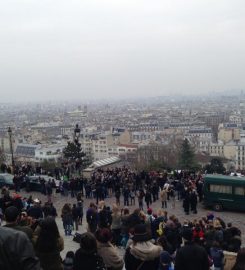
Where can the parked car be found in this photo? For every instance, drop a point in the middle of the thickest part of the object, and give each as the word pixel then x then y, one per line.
pixel 35 183
pixel 6 180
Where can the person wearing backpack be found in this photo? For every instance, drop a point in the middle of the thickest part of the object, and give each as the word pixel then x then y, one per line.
pixel 158 222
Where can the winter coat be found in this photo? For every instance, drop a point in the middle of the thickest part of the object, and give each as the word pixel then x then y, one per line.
pixel 35 212
pixel 16 251
pixel 124 224
pixel 191 257
pixel 68 263
pixel 143 256
pixel 217 256
pixel 84 261
pixel 116 222
pixel 51 260
pixel 92 219
pixel 110 256
pixel 148 197
pixel 163 195
pixel 26 229
pixel 133 220
pixel 105 219
pixel 230 259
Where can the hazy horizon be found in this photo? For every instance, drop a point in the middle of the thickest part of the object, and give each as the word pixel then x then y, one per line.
pixel 95 49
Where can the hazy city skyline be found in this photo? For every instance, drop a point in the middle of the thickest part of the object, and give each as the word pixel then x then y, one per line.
pixel 108 48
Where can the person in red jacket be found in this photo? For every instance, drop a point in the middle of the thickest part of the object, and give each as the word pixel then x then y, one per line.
pixel 198 233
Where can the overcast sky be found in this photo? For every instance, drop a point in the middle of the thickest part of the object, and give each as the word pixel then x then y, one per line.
pixel 68 49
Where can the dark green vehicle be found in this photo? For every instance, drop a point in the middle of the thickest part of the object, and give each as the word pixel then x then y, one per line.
pixel 224 192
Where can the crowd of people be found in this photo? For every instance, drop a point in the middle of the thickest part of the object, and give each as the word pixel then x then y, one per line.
pixel 135 188
pixel 149 238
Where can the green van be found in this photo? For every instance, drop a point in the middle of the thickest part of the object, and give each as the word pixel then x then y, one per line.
pixel 224 192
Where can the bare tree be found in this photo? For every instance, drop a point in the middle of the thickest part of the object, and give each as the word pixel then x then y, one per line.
pixel 156 155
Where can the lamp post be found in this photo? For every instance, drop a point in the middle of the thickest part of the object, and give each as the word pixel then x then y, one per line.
pixel 77 132
pixel 11 147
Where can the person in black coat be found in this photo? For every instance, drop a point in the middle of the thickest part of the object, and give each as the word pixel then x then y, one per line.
pixel 200 190
pixel 86 257
pixel 134 219
pixel 186 202
pixel 191 256
pixel 148 199
pixel 193 201
pixel 92 217
pixel 35 211
pixel 105 218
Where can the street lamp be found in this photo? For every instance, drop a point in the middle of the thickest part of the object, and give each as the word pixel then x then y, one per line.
pixel 77 132
pixel 11 146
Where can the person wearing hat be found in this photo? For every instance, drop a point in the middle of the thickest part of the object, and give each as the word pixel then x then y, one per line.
pixel 191 256
pixel 141 253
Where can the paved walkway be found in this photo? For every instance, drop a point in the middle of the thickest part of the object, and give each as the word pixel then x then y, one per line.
pixel 238 219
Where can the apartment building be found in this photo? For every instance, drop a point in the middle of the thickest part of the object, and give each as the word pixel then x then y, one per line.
pixel 240 157
pixel 86 139
pixel 235 118
pixel 50 153
pixel 228 151
pixel 105 145
pixel 25 152
pixel 121 149
pixel 229 132
pixel 138 136
pixel 100 147
pixel 200 138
